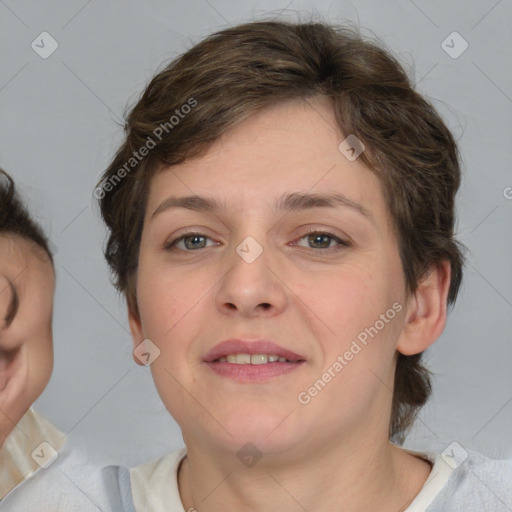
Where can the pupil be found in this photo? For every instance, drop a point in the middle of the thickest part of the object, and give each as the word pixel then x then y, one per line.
pixel 325 237
pixel 194 238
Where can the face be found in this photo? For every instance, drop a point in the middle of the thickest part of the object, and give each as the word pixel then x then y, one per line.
pixel 254 271
pixel 27 285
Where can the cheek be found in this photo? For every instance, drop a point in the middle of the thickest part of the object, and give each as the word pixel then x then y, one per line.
pixel 346 300
pixel 39 358
pixel 171 312
pixel 361 309
pixel 157 300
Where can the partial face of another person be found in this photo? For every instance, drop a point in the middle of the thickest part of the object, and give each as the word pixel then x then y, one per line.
pixel 251 270
pixel 27 284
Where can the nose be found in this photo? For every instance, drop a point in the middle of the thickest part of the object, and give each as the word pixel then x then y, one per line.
pixel 252 286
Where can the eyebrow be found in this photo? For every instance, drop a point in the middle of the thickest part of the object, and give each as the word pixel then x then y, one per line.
pixel 14 305
pixel 294 201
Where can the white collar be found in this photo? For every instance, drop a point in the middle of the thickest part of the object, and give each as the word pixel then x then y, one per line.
pixel 19 453
pixel 152 488
pixel 439 475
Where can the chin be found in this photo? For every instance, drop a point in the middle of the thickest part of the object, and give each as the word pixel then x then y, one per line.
pixel 269 433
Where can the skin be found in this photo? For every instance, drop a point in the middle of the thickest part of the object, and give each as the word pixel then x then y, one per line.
pixel 333 453
pixel 26 345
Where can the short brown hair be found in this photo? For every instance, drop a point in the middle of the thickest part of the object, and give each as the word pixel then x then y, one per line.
pixel 234 73
pixel 15 218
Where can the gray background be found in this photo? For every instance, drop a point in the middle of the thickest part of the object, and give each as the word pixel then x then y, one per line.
pixel 60 124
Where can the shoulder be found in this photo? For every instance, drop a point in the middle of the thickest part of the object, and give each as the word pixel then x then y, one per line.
pixel 477 482
pixel 154 484
pixel 72 482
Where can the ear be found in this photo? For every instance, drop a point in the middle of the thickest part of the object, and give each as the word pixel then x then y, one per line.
pixel 136 331
pixel 426 311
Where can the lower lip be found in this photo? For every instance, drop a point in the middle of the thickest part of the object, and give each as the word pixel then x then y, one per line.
pixel 253 372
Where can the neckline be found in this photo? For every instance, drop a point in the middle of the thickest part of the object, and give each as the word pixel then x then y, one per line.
pixel 439 474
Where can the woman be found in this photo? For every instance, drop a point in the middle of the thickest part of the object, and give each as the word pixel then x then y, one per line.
pixel 281 222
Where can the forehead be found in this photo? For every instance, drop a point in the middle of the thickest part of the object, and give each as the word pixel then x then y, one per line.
pixel 290 146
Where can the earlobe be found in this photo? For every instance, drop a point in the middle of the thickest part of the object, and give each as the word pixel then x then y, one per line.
pixel 426 311
pixel 136 331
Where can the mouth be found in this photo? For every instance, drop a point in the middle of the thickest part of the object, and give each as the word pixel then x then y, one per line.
pixel 252 361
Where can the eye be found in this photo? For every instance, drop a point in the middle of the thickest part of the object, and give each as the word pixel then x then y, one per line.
pixel 320 239
pixel 192 241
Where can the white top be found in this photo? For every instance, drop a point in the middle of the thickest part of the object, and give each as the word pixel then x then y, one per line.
pixel 16 461
pixel 473 485
pixel 40 472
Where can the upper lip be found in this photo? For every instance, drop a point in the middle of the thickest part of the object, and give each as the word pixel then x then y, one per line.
pixel 238 346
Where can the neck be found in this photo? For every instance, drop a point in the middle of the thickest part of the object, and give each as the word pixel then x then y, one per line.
pixel 344 476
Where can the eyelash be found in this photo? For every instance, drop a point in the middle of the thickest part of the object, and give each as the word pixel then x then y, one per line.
pixel 171 246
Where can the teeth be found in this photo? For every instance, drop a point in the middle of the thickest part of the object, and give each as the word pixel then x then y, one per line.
pixel 243 359
pixel 251 359
pixel 259 359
